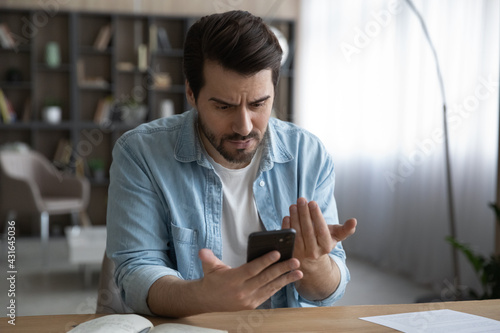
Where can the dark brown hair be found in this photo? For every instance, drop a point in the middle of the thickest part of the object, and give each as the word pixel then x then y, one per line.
pixel 237 40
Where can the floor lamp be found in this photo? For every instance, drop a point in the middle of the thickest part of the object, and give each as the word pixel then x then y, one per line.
pixel 497 233
pixel 449 182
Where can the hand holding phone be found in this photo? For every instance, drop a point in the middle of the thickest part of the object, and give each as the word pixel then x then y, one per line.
pixel 262 242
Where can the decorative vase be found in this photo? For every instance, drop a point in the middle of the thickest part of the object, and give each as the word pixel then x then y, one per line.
pixel 52 55
pixel 52 114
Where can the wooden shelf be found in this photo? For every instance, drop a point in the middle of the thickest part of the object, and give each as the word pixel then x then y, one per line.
pixel 95 86
pixel 90 50
pixel 61 68
pixel 17 49
pixel 15 85
pixel 16 126
pixel 170 53
pixel 76 34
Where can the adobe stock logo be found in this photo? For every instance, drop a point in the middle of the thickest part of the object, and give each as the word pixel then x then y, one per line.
pixel 455 117
pixel 363 37
pixel 39 19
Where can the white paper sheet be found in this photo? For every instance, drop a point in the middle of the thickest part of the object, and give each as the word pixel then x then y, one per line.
pixel 439 321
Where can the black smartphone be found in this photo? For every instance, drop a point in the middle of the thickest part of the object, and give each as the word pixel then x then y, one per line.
pixel 262 242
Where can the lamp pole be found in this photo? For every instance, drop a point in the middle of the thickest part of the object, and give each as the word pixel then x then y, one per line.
pixel 497 218
pixel 449 180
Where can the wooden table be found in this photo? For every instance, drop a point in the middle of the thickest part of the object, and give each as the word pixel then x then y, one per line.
pixel 327 319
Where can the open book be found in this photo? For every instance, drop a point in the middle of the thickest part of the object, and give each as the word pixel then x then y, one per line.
pixel 132 323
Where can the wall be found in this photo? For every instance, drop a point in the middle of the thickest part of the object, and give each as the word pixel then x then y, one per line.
pixel 285 9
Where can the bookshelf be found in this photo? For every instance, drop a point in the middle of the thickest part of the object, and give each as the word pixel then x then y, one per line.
pixel 92 68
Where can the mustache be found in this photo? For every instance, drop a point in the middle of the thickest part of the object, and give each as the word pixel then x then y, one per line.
pixel 237 137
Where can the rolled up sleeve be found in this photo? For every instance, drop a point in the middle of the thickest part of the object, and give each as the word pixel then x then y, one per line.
pixel 324 196
pixel 137 284
pixel 338 256
pixel 137 239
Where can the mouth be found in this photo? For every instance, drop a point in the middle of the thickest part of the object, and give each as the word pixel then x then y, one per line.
pixel 241 144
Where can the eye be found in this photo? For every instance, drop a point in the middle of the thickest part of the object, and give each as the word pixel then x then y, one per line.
pixel 258 104
pixel 222 107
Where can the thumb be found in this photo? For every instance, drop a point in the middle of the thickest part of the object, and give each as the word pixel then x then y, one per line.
pixel 341 232
pixel 350 226
pixel 209 261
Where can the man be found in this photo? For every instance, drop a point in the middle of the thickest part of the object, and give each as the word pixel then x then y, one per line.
pixel 186 191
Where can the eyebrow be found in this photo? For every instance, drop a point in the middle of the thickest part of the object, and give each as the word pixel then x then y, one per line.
pixel 259 100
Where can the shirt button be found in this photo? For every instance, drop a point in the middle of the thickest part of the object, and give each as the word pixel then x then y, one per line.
pixel 262 183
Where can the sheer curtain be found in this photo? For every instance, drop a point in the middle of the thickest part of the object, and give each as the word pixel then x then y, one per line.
pixel 367 86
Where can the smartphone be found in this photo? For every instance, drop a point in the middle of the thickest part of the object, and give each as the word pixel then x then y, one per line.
pixel 262 242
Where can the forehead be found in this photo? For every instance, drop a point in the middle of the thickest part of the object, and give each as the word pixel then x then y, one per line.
pixel 221 80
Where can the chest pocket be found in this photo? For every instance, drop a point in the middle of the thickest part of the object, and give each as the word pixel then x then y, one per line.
pixel 186 251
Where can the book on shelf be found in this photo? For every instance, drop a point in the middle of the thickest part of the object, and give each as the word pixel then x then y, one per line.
pixel 7 113
pixel 142 58
pixel 80 71
pixel 62 156
pixel 153 39
pixel 6 39
pixel 132 323
pixel 26 117
pixel 80 167
pixel 66 161
pixel 10 108
pixel 96 82
pixel 102 115
pixel 103 37
pixel 89 82
pixel 161 80
pixel 163 41
pixel 125 66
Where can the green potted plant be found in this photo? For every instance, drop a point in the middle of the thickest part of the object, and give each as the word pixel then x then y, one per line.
pixel 486 268
pixel 133 112
pixel 96 166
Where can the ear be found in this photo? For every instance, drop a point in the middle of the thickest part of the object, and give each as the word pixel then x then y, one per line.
pixel 190 95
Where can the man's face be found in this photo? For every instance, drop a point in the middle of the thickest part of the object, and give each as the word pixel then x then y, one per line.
pixel 233 113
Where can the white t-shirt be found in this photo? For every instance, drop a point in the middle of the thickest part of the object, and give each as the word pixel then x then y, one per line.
pixel 239 212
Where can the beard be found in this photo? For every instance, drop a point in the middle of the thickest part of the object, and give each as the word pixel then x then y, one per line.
pixel 238 156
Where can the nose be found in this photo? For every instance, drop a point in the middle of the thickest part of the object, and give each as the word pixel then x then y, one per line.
pixel 242 122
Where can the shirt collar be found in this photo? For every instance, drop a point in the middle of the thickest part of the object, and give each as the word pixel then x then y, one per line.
pixel 188 146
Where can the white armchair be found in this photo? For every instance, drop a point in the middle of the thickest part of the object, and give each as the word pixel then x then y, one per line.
pixel 29 183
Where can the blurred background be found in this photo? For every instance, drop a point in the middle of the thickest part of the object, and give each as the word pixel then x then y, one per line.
pixel 361 75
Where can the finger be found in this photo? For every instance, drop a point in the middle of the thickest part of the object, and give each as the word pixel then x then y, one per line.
pixel 295 224
pixel 323 237
pixel 274 286
pixel 256 266
pixel 274 272
pixel 351 224
pixel 341 232
pixel 306 225
pixel 286 224
pixel 209 261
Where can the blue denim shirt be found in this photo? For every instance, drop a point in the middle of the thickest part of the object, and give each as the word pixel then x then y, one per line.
pixel 165 202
